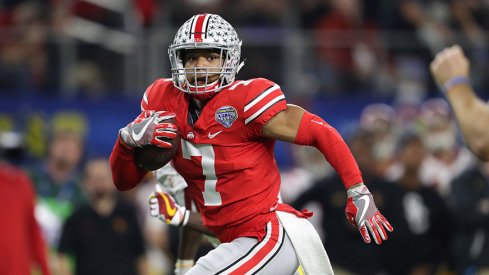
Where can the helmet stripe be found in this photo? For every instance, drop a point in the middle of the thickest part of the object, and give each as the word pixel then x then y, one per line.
pixel 192 27
pixel 206 24
pixel 199 27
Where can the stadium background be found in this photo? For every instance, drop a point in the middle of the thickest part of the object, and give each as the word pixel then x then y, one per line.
pixel 335 57
pixel 83 65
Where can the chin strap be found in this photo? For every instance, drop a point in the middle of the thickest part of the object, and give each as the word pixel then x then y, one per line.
pixel 240 66
pixel 198 89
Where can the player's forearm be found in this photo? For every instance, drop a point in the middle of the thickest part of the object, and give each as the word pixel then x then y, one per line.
pixel 190 241
pixel 125 173
pixel 316 132
pixel 473 117
pixel 195 223
pixel 301 127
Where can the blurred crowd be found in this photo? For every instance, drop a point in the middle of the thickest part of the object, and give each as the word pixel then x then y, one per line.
pixel 431 188
pixel 320 47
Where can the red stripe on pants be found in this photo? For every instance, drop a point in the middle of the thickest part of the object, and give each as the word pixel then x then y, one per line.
pixel 262 253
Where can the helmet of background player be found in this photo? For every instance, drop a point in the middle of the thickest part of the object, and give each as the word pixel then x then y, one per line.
pixel 377 118
pixel 440 130
pixel 435 114
pixel 207 32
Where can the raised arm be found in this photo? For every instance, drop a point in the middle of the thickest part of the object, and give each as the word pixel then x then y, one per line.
pixel 450 69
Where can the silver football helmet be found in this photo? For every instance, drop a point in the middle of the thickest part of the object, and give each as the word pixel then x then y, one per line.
pixel 205 31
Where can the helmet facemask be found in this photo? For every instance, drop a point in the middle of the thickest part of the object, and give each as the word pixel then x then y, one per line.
pixel 187 79
pixel 220 38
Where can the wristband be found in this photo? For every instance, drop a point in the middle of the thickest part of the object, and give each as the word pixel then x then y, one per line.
pixel 359 190
pixel 454 81
pixel 186 216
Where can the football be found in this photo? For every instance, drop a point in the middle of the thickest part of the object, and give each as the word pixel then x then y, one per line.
pixel 152 157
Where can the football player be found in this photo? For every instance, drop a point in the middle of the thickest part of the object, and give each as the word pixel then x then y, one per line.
pixel 226 156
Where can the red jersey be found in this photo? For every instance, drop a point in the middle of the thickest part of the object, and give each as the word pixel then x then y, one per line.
pixel 228 165
pixel 21 239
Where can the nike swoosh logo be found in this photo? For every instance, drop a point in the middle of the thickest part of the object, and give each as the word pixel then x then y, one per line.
pixel 318 122
pixel 171 211
pixel 138 136
pixel 364 210
pixel 211 136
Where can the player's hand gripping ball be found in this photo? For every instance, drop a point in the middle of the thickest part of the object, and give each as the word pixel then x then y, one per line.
pixel 154 155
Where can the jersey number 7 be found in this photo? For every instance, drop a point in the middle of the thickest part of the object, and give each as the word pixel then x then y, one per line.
pixel 211 196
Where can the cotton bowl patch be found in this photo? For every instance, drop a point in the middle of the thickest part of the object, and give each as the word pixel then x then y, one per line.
pixel 226 115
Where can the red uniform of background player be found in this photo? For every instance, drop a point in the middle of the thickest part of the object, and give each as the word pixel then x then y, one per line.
pixel 228 130
pixel 23 249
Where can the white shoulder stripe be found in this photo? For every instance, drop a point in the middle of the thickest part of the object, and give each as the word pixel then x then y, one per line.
pixel 145 98
pixel 260 97
pixel 259 112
